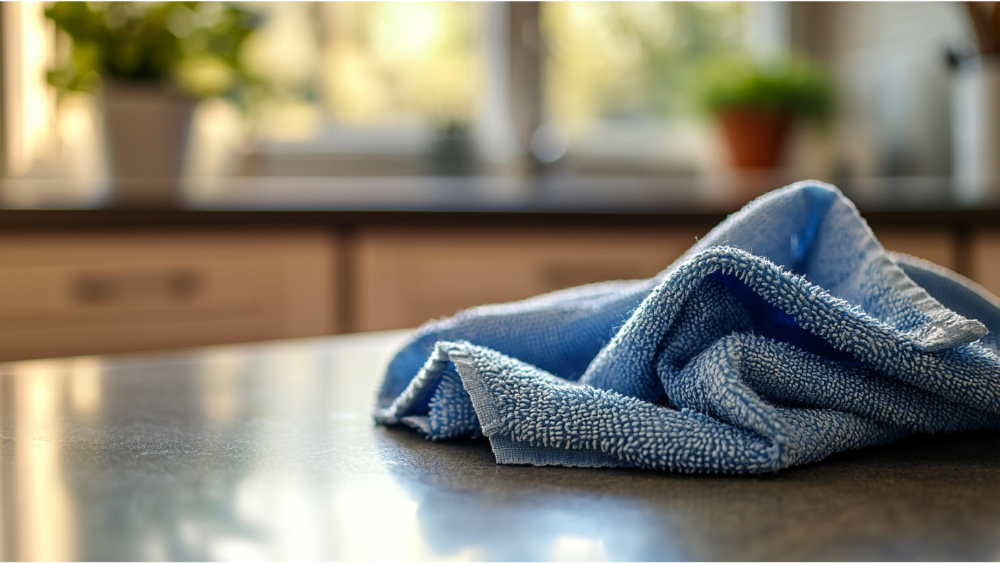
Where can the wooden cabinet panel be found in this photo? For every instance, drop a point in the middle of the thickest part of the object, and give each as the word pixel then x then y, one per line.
pixel 404 278
pixel 935 245
pixel 985 253
pixel 116 292
pixel 91 293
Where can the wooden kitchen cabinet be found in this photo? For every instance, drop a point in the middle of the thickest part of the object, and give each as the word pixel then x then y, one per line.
pixel 985 251
pixel 934 244
pixel 93 282
pixel 95 293
pixel 405 277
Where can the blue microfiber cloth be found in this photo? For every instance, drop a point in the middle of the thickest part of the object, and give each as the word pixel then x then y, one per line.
pixel 786 334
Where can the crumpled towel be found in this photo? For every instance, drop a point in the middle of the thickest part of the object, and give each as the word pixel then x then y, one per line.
pixel 786 334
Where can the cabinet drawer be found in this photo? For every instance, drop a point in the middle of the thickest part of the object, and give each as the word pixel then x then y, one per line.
pixel 112 292
pixel 405 278
pixel 104 293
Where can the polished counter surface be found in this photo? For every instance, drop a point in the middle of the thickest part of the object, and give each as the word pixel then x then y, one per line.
pixel 267 451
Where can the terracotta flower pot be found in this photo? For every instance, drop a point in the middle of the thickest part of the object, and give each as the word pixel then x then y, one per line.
pixel 147 128
pixel 756 136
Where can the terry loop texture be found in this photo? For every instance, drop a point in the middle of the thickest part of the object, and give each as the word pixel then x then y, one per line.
pixel 786 334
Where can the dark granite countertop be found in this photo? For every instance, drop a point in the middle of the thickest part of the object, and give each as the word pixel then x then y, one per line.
pixel 267 451
pixel 349 202
pixel 34 201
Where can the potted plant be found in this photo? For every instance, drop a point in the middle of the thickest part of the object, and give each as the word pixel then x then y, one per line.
pixel 150 62
pixel 756 102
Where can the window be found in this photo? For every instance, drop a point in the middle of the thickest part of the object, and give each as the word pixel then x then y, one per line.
pixel 25 42
pixel 625 60
pixel 620 79
pixel 423 89
pixel 364 88
pixel 369 63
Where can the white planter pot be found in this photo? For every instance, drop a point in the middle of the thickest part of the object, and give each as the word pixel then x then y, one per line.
pixel 975 117
pixel 147 128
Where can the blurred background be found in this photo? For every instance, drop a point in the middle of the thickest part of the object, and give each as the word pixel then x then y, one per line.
pixel 497 90
pixel 200 173
pixel 296 169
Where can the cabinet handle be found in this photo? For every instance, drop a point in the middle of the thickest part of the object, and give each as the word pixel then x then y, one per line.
pixel 106 288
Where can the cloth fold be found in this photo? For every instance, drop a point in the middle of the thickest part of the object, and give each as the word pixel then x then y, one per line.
pixel 786 334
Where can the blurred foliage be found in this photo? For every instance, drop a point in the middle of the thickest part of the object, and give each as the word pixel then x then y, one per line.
pixel 392 61
pixel 364 64
pixel 193 45
pixel 631 59
pixel 790 83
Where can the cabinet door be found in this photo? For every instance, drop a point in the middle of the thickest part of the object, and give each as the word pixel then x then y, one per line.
pixel 985 258
pixel 934 244
pixel 404 278
pixel 98 293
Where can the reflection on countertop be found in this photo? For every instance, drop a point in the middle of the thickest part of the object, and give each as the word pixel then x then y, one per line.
pixel 267 451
